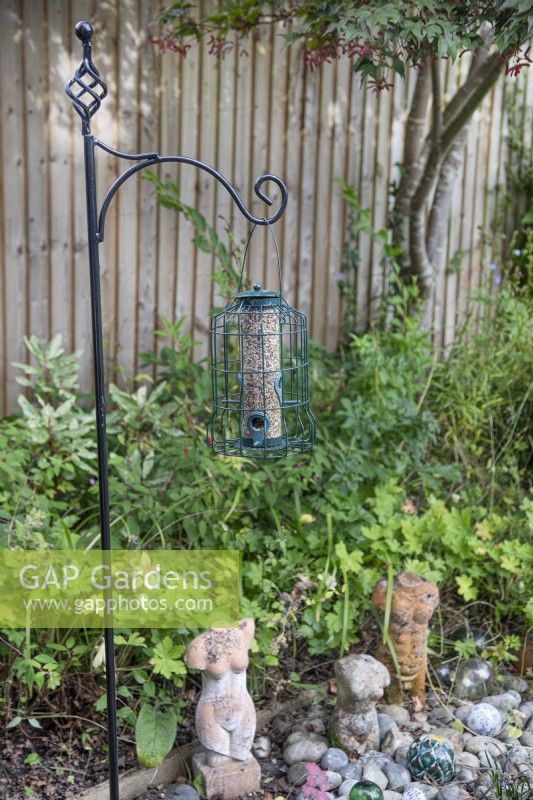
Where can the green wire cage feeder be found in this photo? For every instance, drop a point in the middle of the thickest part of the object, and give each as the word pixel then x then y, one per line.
pixel 260 382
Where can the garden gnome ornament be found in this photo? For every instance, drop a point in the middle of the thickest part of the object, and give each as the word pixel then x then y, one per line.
pixel 360 684
pixel 414 599
pixel 225 715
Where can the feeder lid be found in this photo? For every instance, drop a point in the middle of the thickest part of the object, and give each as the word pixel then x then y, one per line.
pixel 259 296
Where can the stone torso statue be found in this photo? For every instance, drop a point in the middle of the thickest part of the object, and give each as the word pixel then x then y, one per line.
pixel 225 715
pixel 414 599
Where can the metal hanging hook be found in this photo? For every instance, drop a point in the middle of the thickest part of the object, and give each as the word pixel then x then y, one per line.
pixel 278 257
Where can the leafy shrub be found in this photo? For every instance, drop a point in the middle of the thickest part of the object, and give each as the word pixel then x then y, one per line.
pixel 418 466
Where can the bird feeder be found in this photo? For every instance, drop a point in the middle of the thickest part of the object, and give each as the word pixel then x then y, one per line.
pixel 259 367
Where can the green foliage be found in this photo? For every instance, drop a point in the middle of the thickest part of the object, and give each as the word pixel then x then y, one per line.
pixel 379 36
pixel 206 238
pixel 509 787
pixel 155 731
pixel 482 397
pixel 387 488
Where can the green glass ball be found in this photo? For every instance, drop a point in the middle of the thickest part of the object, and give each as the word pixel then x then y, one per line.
pixel 431 758
pixel 365 790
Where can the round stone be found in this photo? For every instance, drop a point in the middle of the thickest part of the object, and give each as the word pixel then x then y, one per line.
pixel 334 758
pixel 484 719
pixel 302 746
pixel 365 790
pixel 473 679
pixel 431 758
pixel 181 792
pixel 504 702
pixel 334 779
pixel 413 793
pixel 297 774
pixel 261 747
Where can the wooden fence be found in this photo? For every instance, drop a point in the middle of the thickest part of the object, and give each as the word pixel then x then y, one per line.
pixel 246 115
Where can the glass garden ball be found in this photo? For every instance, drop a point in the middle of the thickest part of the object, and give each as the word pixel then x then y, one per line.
pixel 431 758
pixel 365 790
pixel 484 719
pixel 473 679
pixel 444 672
pixel 478 636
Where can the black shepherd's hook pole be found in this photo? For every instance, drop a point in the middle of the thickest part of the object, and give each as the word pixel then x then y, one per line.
pixel 86 89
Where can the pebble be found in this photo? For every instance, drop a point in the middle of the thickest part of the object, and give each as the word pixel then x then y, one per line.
pixel 334 758
pixel 484 719
pixel 400 756
pixel 429 792
pixel 272 768
pixel 374 756
pixel 385 723
pixel 453 791
pixel 527 710
pixel 301 746
pixel 398 777
pixel 484 744
pixel 453 737
pixel 462 713
pixel 297 774
pixel 506 735
pixel 392 740
pixel 372 772
pixel 261 747
pixel 469 760
pixel 527 739
pixel 504 702
pixel 518 755
pixel 465 775
pixel 388 794
pixel 352 772
pixel 516 683
pixel 334 779
pixel 181 792
pixel 398 713
pixel 443 714
pixel 344 788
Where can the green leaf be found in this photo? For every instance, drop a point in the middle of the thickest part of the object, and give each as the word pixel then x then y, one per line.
pixel 166 658
pixel 155 731
pixel 466 588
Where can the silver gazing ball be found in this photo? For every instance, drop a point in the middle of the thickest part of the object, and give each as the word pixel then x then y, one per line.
pixel 484 719
pixel 473 680
pixel 413 793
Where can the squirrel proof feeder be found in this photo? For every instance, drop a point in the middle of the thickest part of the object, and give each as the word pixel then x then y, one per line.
pixel 259 368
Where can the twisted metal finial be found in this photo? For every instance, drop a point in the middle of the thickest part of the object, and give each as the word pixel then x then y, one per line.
pixel 86 89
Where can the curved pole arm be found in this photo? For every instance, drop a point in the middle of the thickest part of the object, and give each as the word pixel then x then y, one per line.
pixel 149 159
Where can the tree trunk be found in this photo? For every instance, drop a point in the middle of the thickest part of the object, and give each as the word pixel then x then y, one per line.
pixel 441 159
pixel 413 162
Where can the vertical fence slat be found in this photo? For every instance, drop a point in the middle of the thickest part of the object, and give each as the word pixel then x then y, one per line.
pixel 13 175
pixel 147 220
pixel 321 220
pixel 60 168
pixel 291 231
pixel 36 159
